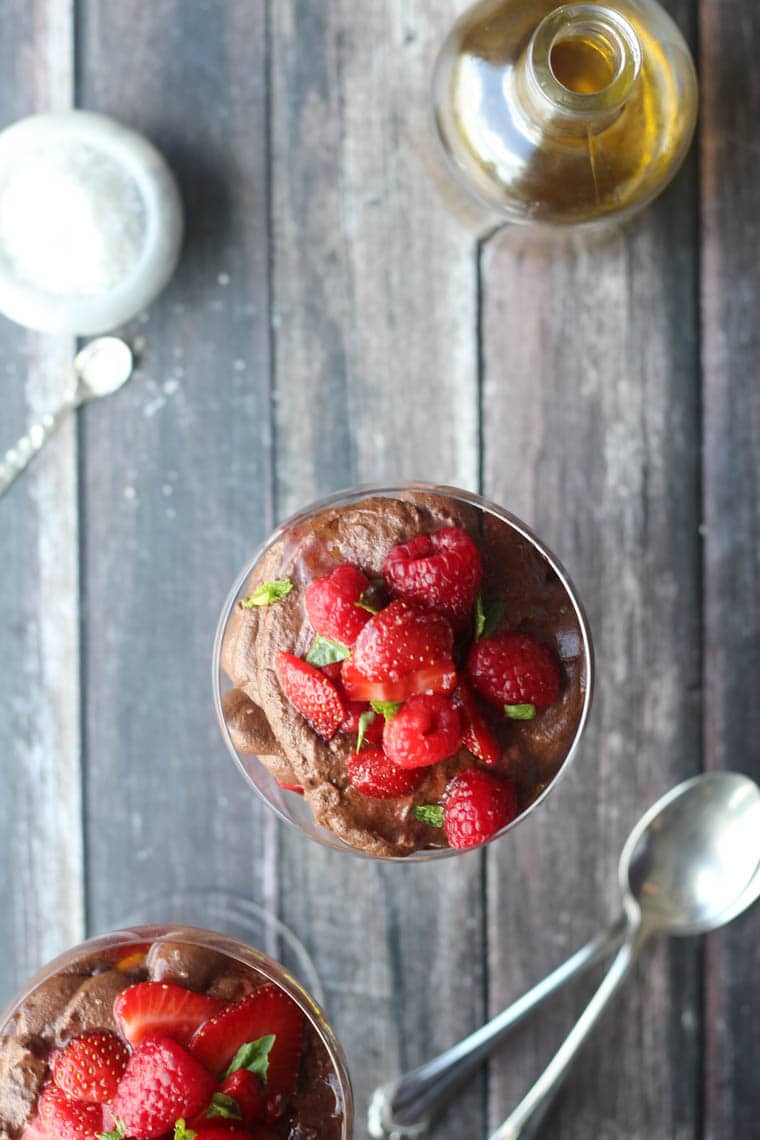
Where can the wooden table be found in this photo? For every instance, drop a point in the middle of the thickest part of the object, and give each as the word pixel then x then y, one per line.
pixel 333 321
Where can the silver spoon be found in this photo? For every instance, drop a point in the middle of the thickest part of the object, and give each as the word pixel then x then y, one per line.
pixel 100 368
pixel 691 864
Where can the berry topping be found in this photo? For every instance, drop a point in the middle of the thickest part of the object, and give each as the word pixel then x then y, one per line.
pixel 162 1083
pixel 90 1067
pixel 267 1011
pixel 227 1130
pixel 400 640
pixel 477 804
pixel 373 774
pixel 372 725
pixel 426 729
pixel 440 571
pixel 476 735
pixel 312 693
pixel 440 678
pixel 331 604
pixel 164 1008
pixel 247 1091
pixel 297 788
pixel 515 669
pixel 65 1119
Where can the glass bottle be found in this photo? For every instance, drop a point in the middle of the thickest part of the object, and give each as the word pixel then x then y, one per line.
pixel 565 115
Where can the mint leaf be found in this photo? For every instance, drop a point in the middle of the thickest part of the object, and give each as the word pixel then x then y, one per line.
pixel 366 606
pixel 388 709
pixel 325 652
pixel 431 814
pixel 223 1105
pixel 253 1056
pixel 365 720
pixel 267 593
pixel 181 1131
pixel 487 616
pixel 119 1131
pixel 520 712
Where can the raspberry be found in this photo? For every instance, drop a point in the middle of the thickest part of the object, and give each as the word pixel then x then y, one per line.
pixel 372 773
pixel 476 806
pixel 426 729
pixel 162 1083
pixel 331 604
pixel 312 693
pixel 440 571
pixel 515 669
pixel 399 640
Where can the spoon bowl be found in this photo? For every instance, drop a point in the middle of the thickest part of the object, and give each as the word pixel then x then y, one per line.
pixel 102 367
pixel 694 857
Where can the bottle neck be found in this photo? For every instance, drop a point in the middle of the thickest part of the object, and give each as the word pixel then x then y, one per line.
pixel 579 68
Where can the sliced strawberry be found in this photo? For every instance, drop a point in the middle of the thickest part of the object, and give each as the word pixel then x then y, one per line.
pixel 66 1119
pixel 331 671
pixel 399 640
pixel 162 1083
pixel 476 736
pixel 268 1010
pixel 34 1130
pixel 315 697
pixel 164 1008
pixel 247 1091
pixel 440 678
pixel 291 787
pixel 90 1067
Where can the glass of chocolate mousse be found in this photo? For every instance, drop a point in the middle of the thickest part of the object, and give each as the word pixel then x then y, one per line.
pixel 403 672
pixel 159 1031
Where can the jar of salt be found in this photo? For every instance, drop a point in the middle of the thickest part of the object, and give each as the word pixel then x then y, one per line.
pixel 90 223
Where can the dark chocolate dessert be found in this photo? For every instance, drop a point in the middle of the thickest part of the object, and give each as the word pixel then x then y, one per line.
pixel 164 1039
pixel 412 665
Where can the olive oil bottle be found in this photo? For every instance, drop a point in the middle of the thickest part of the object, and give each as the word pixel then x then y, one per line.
pixel 567 114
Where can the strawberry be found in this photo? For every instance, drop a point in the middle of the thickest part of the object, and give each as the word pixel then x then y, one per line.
pixel 399 640
pixel 514 669
pixel 297 788
pixel 247 1090
pixel 372 773
pixel 164 1008
pixel 162 1083
pixel 426 729
pixel 34 1130
pixel 440 678
pixel 440 571
pixel 90 1067
pixel 476 735
pixel 66 1119
pixel 268 1010
pixel 476 805
pixel 332 671
pixel 315 697
pixel 331 604
pixel 355 709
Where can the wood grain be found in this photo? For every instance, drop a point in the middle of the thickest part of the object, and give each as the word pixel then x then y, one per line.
pixel 176 468
pixel 374 291
pixel 730 153
pixel 40 806
pixel 591 433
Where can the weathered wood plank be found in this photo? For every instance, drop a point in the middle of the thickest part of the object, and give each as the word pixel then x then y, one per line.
pixel 374 291
pixel 591 431
pixel 176 468
pixel 730 151
pixel 40 805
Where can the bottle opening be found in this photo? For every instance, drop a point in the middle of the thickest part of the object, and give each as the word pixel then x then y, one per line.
pixel 585 58
pixel 583 63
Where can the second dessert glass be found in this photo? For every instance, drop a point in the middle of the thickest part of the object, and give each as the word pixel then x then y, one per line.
pixel 572 641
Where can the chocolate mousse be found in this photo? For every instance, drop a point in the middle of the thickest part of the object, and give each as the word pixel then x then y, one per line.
pixel 195 1000
pixel 515 589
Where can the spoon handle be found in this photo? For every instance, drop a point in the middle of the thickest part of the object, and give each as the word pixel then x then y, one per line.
pixel 17 458
pixel 406 1106
pixel 526 1119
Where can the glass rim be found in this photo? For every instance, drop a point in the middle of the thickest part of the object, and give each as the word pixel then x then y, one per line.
pixel 346 496
pixel 233 948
